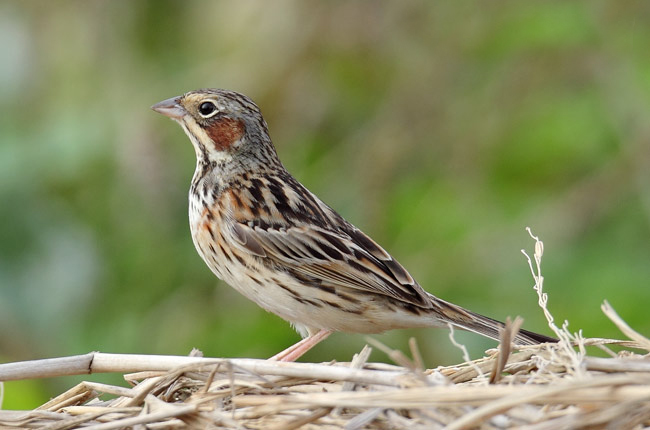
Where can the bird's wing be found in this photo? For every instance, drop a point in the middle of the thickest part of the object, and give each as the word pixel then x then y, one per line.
pixel 344 258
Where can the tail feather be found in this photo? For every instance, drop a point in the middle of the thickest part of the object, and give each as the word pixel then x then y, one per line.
pixel 480 324
pixel 492 328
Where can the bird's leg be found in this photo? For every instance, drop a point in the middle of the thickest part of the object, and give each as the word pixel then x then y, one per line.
pixel 296 351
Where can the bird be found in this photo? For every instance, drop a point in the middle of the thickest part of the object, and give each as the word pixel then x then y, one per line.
pixel 271 239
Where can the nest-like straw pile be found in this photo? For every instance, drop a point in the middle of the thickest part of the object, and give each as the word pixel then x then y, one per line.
pixel 546 386
pixel 540 387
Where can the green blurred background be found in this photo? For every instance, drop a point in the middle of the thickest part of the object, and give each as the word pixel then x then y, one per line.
pixel 441 129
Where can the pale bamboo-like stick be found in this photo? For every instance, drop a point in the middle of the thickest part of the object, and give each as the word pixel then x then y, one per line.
pixel 98 362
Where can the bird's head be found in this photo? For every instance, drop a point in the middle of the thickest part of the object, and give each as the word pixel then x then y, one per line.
pixel 223 126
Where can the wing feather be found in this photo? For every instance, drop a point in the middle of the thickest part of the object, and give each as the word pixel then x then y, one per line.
pixel 345 259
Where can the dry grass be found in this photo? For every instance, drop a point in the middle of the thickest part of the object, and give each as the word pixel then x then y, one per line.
pixel 535 387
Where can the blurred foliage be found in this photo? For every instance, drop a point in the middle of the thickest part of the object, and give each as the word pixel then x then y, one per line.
pixel 442 129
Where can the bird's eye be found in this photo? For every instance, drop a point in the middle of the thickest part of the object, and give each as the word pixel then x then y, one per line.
pixel 206 109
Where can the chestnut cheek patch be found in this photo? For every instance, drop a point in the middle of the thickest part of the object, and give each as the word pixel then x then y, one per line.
pixel 224 132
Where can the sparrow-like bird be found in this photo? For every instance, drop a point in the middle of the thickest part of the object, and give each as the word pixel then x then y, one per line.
pixel 271 239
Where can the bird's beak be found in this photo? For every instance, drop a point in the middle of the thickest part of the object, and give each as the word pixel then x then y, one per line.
pixel 171 108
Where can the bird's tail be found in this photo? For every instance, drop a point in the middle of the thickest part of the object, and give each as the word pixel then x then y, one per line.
pixel 477 323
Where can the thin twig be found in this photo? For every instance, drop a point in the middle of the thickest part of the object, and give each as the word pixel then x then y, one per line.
pixel 624 327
